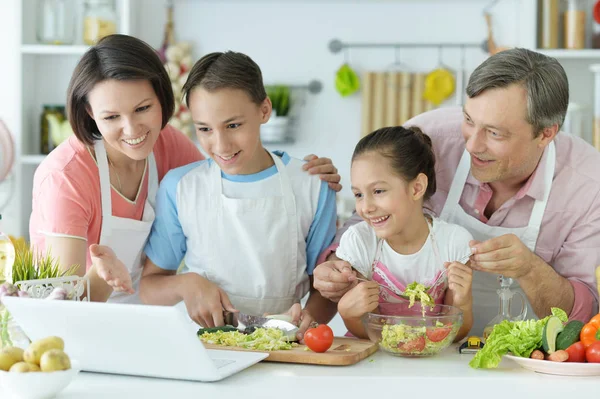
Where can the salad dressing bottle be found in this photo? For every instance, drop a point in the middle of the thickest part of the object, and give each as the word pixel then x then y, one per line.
pixel 506 295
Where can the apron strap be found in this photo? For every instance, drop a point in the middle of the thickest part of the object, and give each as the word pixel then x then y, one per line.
pixel 537 213
pixel 152 179
pixel 458 185
pixel 105 191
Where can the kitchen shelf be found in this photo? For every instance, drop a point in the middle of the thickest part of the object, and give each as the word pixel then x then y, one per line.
pixel 32 159
pixel 53 49
pixel 572 54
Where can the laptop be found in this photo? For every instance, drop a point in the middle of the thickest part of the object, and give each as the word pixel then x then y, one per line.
pixel 141 340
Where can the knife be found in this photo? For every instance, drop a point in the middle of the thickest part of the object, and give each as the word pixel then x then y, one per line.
pixel 248 323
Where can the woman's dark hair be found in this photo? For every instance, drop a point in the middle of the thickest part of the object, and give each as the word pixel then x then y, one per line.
pixel 228 70
pixel 409 151
pixel 118 57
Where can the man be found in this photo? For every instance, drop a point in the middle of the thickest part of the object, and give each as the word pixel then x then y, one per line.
pixel 529 195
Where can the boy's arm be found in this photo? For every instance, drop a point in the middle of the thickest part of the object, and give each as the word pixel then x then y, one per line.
pixel 320 308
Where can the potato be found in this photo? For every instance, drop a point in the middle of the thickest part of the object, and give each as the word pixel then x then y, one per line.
pixel 36 349
pixel 33 367
pixel 9 356
pixel 55 360
pixel 23 367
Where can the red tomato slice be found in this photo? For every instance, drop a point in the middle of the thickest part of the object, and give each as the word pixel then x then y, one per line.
pixel 437 334
pixel 576 352
pixel 415 345
pixel 319 339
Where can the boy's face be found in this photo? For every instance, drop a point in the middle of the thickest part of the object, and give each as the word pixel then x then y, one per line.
pixel 228 123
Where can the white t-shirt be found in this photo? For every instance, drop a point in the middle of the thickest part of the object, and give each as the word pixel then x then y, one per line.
pixel 358 246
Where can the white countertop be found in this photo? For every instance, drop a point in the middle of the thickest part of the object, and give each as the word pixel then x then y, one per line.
pixel 447 375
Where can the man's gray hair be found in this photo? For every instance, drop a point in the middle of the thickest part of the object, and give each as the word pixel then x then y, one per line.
pixel 543 77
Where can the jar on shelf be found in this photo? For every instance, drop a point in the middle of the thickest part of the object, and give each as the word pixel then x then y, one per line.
pixel 574 22
pixel 549 23
pixel 53 117
pixel 99 20
pixel 55 22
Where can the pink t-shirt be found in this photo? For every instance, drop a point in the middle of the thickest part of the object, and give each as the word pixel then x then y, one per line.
pixel 66 189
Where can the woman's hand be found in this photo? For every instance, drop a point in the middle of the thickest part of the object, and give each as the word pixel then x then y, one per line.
pixel 205 301
pixel 323 167
pixel 111 269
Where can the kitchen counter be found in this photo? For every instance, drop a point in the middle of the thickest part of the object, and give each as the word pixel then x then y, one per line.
pixel 447 375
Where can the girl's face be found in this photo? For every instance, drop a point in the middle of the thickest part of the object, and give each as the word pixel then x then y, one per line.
pixel 384 199
pixel 128 115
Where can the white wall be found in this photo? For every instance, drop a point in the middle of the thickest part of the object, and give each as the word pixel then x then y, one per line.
pixel 289 40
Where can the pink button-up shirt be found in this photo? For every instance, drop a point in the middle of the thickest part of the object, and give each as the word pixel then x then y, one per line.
pixel 569 238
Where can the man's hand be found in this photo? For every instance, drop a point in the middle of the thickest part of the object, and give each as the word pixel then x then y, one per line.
pixel 362 299
pixel 505 255
pixel 205 301
pixel 323 167
pixel 334 278
pixel 111 269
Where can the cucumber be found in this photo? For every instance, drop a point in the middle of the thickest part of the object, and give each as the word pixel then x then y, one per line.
pixel 569 335
pixel 552 328
pixel 215 329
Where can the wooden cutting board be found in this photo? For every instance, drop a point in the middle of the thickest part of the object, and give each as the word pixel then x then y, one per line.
pixel 343 352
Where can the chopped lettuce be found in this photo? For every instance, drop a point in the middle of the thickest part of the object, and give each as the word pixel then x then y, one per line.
pixel 262 339
pixel 413 340
pixel 517 337
pixel 561 314
pixel 416 291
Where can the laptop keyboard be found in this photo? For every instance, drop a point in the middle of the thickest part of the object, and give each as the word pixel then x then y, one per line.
pixel 222 362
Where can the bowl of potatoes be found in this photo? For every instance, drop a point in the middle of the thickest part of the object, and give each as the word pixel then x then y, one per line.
pixel 40 371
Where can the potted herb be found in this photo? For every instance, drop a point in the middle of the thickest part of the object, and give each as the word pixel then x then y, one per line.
pixel 276 129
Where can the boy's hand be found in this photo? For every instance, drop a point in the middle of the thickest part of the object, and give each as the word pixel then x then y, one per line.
pixel 362 299
pixel 300 317
pixel 111 269
pixel 205 301
pixel 460 278
pixel 323 167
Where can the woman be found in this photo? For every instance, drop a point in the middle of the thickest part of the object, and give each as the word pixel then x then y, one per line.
pixel 99 186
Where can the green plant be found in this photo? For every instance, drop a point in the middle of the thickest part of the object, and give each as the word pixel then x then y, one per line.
pixel 280 98
pixel 32 265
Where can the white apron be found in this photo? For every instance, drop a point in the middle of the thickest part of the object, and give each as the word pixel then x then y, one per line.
pixel 485 298
pixel 252 250
pixel 127 237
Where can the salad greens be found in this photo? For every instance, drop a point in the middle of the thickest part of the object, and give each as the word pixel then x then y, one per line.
pixel 416 291
pixel 263 339
pixel 518 337
pixel 416 340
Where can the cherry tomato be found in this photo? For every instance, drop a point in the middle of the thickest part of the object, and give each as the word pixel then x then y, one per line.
pixel 415 345
pixel 437 334
pixel 319 339
pixel 592 353
pixel 576 352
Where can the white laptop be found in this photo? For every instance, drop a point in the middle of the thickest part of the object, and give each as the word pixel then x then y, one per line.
pixel 149 341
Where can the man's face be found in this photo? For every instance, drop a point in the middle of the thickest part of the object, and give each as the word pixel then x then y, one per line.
pixel 498 137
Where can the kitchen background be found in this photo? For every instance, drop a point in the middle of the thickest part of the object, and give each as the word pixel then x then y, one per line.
pixel 291 40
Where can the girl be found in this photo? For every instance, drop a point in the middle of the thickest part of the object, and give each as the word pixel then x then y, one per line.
pixel 99 186
pixel 393 173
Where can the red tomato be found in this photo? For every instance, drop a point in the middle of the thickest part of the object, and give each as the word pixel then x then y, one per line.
pixel 319 339
pixel 592 352
pixel 416 345
pixel 576 352
pixel 437 334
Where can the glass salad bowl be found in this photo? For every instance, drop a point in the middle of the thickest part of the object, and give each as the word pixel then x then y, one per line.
pixel 415 331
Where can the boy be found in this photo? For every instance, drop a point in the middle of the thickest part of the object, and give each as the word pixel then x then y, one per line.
pixel 249 223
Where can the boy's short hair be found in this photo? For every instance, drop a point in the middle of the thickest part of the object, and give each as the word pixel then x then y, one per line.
pixel 226 70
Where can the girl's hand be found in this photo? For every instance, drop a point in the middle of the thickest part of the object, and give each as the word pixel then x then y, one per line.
pixel 323 167
pixel 300 317
pixel 205 301
pixel 460 278
pixel 361 299
pixel 111 269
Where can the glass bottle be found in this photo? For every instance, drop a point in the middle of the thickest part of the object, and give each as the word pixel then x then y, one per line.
pixel 55 22
pixel 574 21
pixel 99 20
pixel 7 256
pixel 506 295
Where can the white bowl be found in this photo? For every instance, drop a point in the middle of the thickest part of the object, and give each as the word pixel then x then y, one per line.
pixel 36 385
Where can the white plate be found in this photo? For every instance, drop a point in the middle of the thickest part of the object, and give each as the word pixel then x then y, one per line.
pixel 557 368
